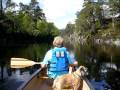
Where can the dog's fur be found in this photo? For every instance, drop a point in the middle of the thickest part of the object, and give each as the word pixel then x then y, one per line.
pixel 73 80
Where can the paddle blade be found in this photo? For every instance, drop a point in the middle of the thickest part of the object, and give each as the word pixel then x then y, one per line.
pixel 21 63
pixel 14 66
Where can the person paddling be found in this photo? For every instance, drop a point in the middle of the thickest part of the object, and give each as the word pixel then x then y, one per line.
pixel 57 60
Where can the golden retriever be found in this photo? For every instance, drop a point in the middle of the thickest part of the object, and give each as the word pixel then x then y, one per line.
pixel 71 80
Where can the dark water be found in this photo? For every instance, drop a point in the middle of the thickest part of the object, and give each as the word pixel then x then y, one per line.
pixel 102 61
pixel 11 79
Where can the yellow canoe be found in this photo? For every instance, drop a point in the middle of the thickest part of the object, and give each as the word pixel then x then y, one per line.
pixel 40 81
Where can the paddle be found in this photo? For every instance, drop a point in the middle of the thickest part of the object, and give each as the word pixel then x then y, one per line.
pixel 22 63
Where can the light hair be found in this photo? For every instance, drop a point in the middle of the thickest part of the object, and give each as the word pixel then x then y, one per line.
pixel 58 41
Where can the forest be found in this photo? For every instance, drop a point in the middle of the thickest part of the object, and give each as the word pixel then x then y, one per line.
pixel 27 23
pixel 99 19
pixel 24 23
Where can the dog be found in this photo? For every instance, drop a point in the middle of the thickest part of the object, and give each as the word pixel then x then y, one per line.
pixel 72 80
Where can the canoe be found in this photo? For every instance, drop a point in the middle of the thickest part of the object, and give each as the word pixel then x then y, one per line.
pixel 40 81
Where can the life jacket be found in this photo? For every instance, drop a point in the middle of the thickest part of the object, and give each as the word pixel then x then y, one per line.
pixel 59 61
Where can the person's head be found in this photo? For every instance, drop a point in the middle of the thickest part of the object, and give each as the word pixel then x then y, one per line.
pixel 58 41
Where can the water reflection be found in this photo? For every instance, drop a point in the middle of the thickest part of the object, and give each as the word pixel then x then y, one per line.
pixel 102 62
pixel 14 77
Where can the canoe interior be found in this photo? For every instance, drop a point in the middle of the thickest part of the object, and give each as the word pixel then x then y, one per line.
pixel 40 81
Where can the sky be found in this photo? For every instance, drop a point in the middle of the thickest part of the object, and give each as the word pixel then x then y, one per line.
pixel 60 12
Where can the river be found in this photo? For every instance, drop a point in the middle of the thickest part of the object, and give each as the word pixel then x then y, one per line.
pixel 101 60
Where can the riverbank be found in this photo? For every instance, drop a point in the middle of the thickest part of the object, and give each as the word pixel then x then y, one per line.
pixel 76 39
pixel 21 38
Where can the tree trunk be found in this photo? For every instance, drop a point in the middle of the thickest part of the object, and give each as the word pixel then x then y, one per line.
pixel 1 7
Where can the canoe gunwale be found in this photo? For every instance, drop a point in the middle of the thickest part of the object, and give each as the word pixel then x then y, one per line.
pixel 88 83
pixel 29 80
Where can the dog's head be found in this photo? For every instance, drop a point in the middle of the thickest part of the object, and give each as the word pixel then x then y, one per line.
pixel 82 70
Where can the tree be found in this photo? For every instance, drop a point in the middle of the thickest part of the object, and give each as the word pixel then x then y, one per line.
pixel 42 27
pixel 69 28
pixel 27 23
pixel 36 11
pixel 115 13
pixel 1 7
pixel 29 20
pixel 52 30
pixel 115 5
pixel 87 18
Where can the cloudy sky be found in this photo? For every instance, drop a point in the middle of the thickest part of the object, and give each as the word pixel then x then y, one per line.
pixel 60 12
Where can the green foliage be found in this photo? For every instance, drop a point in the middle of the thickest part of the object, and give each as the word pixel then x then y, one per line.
pixel 115 5
pixel 28 19
pixel 91 20
pixel 54 30
pixel 42 27
pixel 69 28
pixel 87 18
pixel 27 23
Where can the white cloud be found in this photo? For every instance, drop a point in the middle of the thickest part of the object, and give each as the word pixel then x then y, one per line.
pixel 59 11
pixel 23 1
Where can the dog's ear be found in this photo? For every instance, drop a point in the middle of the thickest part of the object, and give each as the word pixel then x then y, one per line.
pixel 82 68
pixel 83 71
